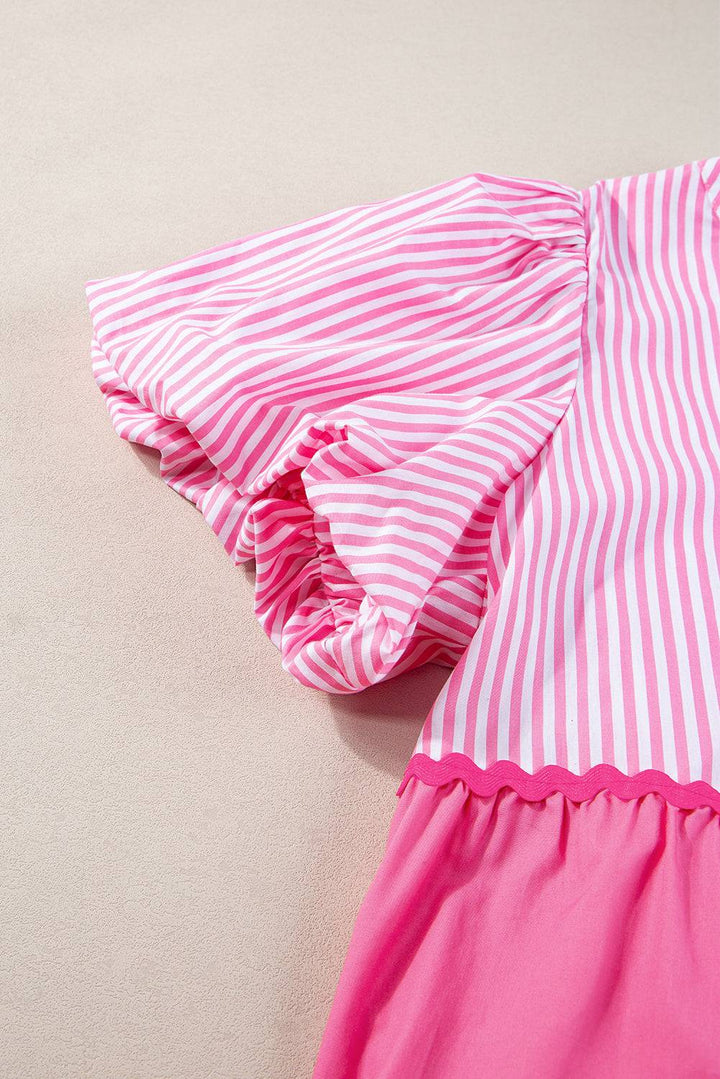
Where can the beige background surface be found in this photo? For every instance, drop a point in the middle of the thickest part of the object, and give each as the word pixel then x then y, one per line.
pixel 186 834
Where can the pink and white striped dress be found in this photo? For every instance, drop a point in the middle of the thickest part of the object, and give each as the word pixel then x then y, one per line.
pixel 479 425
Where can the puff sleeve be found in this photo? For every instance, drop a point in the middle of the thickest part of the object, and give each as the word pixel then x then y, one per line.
pixel 347 400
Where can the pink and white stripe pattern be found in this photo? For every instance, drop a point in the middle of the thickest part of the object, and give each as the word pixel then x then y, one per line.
pixel 478 424
pixel 601 634
pixel 347 401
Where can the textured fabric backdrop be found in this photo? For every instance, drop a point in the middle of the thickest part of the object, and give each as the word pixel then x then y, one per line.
pixel 167 911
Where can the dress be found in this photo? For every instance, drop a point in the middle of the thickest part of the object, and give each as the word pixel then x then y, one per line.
pixel 479 425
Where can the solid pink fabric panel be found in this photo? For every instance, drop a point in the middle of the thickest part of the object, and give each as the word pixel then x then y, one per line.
pixel 515 939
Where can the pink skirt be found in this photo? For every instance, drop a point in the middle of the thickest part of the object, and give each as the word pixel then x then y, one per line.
pixel 513 938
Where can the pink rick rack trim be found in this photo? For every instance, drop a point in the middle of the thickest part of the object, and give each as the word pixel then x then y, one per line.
pixel 553 779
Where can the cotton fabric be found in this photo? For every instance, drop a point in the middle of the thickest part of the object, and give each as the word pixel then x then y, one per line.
pixel 519 938
pixel 348 400
pixel 479 425
pixel 602 608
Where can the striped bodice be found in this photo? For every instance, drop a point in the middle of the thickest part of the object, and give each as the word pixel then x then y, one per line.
pixel 600 642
